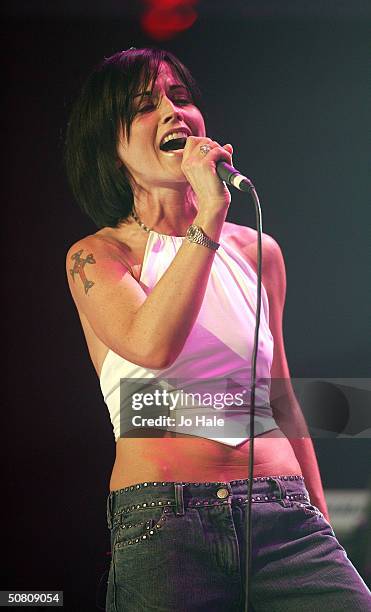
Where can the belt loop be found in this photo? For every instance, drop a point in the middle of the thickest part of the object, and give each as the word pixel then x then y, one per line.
pixel 109 512
pixel 282 498
pixel 179 500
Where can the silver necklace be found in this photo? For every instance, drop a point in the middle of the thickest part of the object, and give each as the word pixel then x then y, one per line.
pixel 140 223
pixel 144 227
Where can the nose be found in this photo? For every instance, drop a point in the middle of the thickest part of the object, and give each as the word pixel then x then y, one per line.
pixel 170 110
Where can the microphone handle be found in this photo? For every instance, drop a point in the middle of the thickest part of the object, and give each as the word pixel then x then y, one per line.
pixel 233 177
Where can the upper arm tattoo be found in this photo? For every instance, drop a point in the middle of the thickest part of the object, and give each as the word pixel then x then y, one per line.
pixel 78 268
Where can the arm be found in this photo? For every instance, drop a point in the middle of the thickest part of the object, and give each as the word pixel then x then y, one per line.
pixel 285 407
pixel 147 330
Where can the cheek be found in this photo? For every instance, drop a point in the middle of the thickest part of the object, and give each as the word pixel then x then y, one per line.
pixel 198 121
pixel 137 157
pixel 141 144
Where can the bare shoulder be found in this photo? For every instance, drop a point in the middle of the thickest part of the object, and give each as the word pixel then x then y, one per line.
pixel 88 250
pixel 244 239
pixel 75 251
pixel 101 242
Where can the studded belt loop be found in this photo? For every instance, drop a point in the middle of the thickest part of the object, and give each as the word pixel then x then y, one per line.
pixel 282 497
pixel 179 500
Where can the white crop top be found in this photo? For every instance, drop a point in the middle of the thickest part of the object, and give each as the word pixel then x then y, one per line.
pixel 218 348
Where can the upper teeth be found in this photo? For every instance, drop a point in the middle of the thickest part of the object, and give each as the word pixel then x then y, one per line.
pixel 174 135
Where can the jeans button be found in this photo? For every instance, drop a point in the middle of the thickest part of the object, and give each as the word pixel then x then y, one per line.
pixel 222 493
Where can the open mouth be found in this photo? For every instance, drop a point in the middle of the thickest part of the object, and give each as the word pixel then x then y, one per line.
pixel 174 144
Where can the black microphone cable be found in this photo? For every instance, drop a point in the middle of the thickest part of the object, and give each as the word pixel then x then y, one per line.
pixel 236 179
pixel 255 198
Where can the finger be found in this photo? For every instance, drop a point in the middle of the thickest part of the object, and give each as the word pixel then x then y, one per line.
pixel 228 148
pixel 218 153
pixel 193 142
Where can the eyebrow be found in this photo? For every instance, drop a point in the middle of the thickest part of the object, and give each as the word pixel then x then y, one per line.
pixel 171 88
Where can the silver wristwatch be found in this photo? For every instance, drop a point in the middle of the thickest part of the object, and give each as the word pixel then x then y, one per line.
pixel 196 234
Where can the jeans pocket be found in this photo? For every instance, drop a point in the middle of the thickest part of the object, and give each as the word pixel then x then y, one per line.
pixel 307 508
pixel 137 526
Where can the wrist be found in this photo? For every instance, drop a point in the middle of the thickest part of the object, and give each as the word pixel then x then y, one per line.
pixel 212 208
pixel 211 224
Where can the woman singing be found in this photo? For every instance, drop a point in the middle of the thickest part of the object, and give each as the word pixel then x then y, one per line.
pixel 166 290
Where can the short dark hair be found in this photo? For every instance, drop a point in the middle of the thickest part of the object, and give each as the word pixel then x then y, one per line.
pixel 105 103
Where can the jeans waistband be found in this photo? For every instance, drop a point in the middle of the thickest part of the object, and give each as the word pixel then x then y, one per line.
pixel 181 495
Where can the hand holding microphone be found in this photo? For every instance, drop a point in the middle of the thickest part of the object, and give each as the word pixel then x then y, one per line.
pixel 200 157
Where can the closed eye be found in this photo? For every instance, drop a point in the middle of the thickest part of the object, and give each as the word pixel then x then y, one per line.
pixel 148 107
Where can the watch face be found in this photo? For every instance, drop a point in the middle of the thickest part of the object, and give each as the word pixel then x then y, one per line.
pixel 192 231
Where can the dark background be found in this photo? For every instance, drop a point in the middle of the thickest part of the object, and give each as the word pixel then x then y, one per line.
pixel 287 86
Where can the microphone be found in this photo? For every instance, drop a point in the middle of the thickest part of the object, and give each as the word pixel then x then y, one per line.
pixel 225 172
pixel 233 177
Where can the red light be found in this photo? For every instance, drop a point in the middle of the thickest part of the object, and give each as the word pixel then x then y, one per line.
pixel 164 19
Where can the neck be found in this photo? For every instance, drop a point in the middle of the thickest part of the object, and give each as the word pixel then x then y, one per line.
pixel 170 212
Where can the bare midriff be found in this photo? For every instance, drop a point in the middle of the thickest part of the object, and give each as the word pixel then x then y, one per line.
pixel 192 459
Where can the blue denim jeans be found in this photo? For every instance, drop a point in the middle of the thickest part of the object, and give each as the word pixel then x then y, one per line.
pixel 181 547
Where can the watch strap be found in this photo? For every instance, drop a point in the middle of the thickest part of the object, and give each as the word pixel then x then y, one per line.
pixel 196 234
